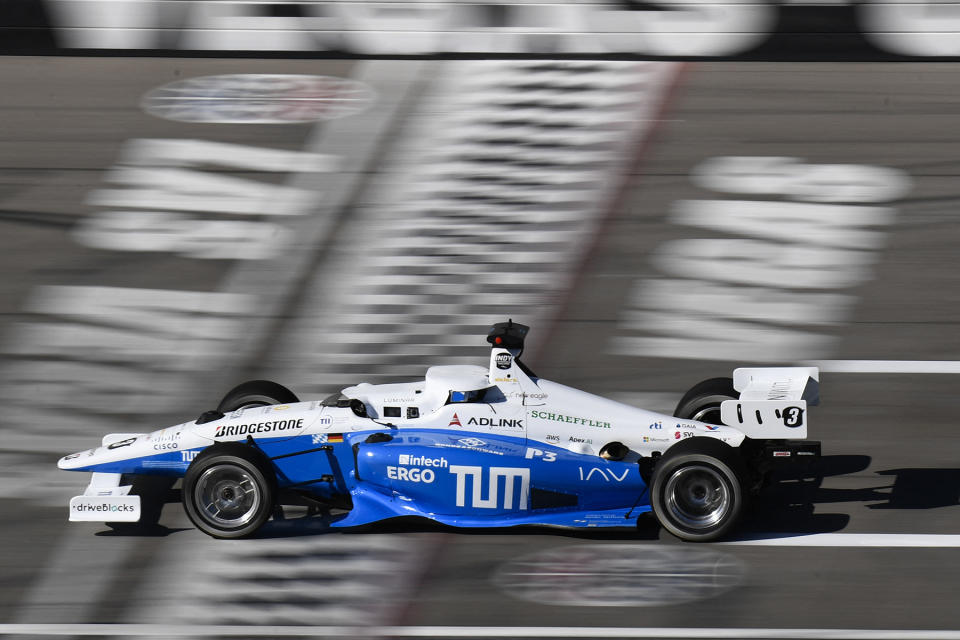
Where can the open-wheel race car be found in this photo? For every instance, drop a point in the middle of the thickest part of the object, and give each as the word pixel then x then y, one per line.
pixel 466 446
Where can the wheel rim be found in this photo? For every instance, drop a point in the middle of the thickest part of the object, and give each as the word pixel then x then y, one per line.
pixel 698 497
pixel 227 496
pixel 251 404
pixel 709 414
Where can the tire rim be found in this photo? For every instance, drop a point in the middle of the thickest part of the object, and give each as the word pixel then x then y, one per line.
pixel 250 405
pixel 227 496
pixel 698 497
pixel 709 414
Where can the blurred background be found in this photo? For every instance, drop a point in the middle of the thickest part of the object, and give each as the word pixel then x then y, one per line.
pixel 194 194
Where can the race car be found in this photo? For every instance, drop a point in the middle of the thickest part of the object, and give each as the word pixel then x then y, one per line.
pixel 467 446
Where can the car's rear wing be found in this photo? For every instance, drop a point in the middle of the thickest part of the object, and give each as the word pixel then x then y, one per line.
pixel 773 401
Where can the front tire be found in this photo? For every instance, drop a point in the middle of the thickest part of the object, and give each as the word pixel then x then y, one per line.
pixel 228 492
pixel 697 491
pixel 256 393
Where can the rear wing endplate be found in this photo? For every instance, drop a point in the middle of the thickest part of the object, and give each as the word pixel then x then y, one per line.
pixel 773 401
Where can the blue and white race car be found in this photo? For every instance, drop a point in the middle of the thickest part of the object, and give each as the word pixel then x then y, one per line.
pixel 467 446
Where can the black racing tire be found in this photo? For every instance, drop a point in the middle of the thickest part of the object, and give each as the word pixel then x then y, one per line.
pixel 702 401
pixel 256 393
pixel 697 491
pixel 229 491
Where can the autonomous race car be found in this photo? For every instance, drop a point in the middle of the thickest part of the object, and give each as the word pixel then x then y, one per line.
pixel 466 446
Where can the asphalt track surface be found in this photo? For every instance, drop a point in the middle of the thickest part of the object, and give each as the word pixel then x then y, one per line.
pixel 891 462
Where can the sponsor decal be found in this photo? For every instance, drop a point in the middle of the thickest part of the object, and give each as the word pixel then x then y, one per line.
pixel 188 456
pixel 122 443
pixel 498 422
pixel 504 361
pixel 683 434
pixel 422 461
pixel 411 474
pixel 462 446
pixel 225 431
pixel 105 508
pixel 559 417
pixel 399 400
pixel 504 379
pixel 520 394
pixel 546 456
pixel 71 456
pixel 165 440
pixel 656 425
pixel 712 427
pixel 492 501
pixel 608 475
pixel 552 437
pixel 472 442
pixel 455 422
pixel 781 454
pixel 583 440
pixel 281 407
pixel 165 436
pixel 111 508
pixel 257 98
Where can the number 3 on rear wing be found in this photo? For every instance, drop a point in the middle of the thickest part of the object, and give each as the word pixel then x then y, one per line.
pixel 773 401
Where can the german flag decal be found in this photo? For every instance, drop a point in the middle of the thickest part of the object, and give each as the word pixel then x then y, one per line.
pixel 335 437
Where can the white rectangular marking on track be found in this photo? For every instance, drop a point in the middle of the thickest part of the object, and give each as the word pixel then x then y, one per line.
pixel 887 366
pixel 144 630
pixel 888 540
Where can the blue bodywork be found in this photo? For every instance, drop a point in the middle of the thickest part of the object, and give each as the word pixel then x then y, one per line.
pixel 458 478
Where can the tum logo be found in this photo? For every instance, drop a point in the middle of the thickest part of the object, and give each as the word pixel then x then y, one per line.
pixel 509 474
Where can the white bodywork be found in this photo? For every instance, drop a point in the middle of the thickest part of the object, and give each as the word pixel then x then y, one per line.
pixel 772 406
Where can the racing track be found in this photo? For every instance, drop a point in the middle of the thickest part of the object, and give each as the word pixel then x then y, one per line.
pixel 891 461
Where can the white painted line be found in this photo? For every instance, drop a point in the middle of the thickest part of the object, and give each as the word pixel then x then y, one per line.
pixel 890 540
pixel 887 366
pixel 208 631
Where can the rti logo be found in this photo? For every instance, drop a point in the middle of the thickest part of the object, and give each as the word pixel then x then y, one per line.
pixel 493 500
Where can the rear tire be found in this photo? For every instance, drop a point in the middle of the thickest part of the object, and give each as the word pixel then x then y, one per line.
pixel 697 491
pixel 229 491
pixel 256 393
pixel 702 402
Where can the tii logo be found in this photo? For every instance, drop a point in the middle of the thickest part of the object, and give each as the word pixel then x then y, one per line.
pixel 455 422
pixel 477 501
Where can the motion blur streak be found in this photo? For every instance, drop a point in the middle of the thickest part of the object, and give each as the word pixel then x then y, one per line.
pixel 819 230
pixel 492 193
